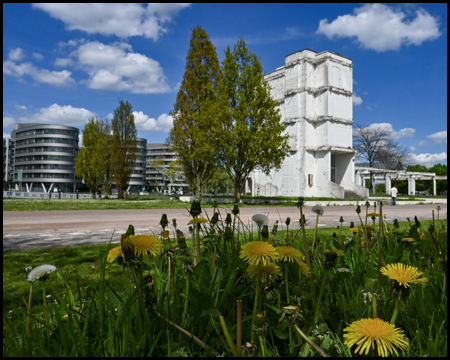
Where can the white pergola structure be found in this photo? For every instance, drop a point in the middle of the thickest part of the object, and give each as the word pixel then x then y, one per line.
pixel 371 173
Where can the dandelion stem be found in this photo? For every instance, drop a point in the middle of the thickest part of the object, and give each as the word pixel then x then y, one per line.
pixel 255 306
pixel 239 329
pixel 28 321
pixel 315 233
pixel 394 315
pixel 308 260
pixel 144 310
pixel 340 233
pixel 310 342
pixel 381 233
pixel 316 314
pixel 183 318
pixel 261 342
pixel 227 335
pixel 374 305
pixel 287 282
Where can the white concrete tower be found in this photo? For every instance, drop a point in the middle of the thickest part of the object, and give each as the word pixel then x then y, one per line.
pixel 315 96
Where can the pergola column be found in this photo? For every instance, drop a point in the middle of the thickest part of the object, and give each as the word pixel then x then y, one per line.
pixel 434 186
pixel 411 186
pixel 388 185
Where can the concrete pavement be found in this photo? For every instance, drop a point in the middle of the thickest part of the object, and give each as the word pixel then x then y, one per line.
pixel 37 229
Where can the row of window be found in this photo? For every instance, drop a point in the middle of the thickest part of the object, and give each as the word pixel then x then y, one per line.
pixel 45 166
pixel 47 140
pixel 165 157
pixel 46 158
pixel 48 131
pixel 158 151
pixel 48 149
pixel 142 144
pixel 47 176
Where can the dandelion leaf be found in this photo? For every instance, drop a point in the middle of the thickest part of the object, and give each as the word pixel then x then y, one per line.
pixel 202 275
pixel 198 302
pixel 414 233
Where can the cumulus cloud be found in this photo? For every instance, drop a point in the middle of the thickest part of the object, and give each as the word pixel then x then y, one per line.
pixel 38 57
pixel 403 133
pixel 423 143
pixel 356 100
pixel 8 121
pixel 5 135
pixel 63 62
pixel 16 54
pixel 58 114
pixel 20 107
pixel 382 28
pixel 57 78
pixel 412 148
pixel 117 67
pixel 427 158
pixel 439 137
pixel 146 123
pixel 123 20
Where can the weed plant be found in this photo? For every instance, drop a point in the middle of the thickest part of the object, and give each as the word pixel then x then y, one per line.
pixel 156 296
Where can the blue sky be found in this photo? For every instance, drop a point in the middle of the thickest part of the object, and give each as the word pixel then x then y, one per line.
pixel 63 63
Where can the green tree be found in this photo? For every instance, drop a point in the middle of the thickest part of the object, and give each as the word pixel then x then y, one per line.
pixel 92 163
pixel 248 133
pixel 190 136
pixel 123 146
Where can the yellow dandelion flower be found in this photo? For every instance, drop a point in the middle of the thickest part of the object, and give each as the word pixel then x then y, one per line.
pixel 114 253
pixel 373 215
pixel 408 239
pixel 258 252
pixel 199 221
pixel 289 254
pixel 354 229
pixel 145 244
pixel 305 268
pixel 403 274
pixel 269 272
pixel 339 253
pixel 370 333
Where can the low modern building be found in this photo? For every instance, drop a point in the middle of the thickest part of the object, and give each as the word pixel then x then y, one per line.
pixel 155 178
pixel 137 181
pixel 314 92
pixel 44 157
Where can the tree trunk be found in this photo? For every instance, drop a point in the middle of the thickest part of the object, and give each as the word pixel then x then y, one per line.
pixel 198 189
pixel 237 189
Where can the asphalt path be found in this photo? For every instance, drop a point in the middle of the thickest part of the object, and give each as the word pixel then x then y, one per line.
pixel 35 229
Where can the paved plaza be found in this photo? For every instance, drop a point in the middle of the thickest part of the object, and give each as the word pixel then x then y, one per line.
pixel 37 229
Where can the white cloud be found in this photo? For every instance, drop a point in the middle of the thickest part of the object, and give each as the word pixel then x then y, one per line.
pixel 5 135
pixel 369 108
pixel 38 57
pixel 117 67
pixel 145 123
pixel 64 62
pixel 20 107
pixel 56 78
pixel 428 158
pixel 59 114
pixel 423 143
pixel 8 121
pixel 412 148
pixel 356 100
pixel 16 54
pixel 438 137
pixel 403 133
pixel 123 20
pixel 382 28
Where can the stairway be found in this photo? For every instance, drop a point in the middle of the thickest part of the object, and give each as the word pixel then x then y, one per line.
pixel 350 195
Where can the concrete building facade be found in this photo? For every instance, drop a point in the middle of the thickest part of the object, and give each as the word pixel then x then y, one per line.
pixel 314 92
pixel 45 154
pixel 155 179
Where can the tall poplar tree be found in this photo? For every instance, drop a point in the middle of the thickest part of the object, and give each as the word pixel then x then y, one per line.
pixel 248 133
pixel 123 146
pixel 92 163
pixel 190 136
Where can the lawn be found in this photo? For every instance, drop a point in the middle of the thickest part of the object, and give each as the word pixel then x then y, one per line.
pixel 164 306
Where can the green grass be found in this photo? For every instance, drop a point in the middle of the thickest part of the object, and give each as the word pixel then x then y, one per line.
pixel 83 261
